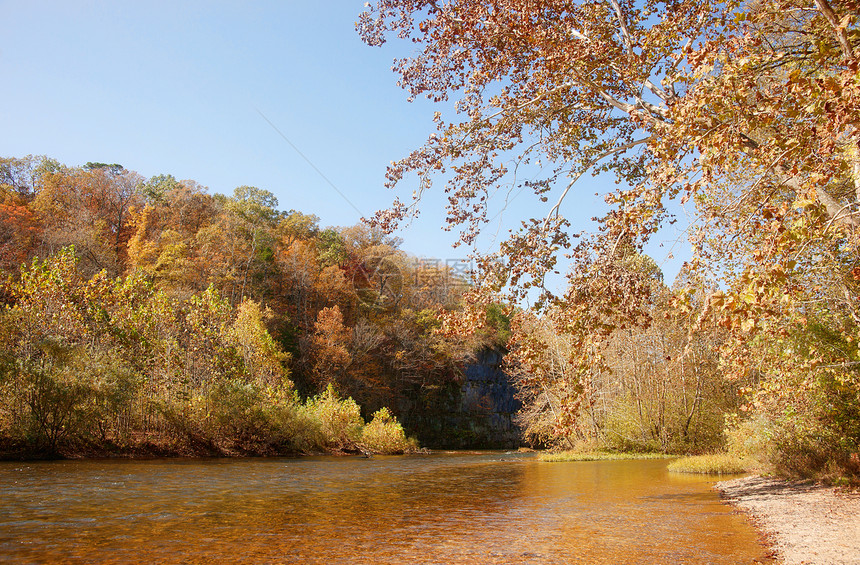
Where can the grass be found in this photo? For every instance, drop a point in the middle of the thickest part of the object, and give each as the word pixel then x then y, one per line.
pixel 716 464
pixel 557 456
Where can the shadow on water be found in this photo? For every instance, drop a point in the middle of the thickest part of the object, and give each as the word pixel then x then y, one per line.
pixel 444 508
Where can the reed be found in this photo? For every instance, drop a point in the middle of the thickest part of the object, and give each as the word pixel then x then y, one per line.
pixel 557 456
pixel 714 464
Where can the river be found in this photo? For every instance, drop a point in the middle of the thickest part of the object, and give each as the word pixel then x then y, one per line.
pixel 441 508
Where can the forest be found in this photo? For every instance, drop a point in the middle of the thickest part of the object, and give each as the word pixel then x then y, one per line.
pixel 147 316
pixel 150 316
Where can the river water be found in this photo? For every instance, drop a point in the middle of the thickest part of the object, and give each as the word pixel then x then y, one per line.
pixel 441 508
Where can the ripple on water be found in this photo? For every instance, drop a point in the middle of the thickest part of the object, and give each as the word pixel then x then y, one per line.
pixel 447 508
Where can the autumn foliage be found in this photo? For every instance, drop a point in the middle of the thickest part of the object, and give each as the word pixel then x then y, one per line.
pixel 743 114
pixel 151 316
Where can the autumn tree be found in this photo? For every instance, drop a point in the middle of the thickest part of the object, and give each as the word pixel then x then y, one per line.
pixel 170 315
pixel 240 243
pixel 20 175
pixel 19 230
pixel 19 226
pixel 294 225
pixel 329 344
pixel 262 358
pixel 747 110
pixel 90 208
pixel 167 237
pixel 623 88
pixel 96 360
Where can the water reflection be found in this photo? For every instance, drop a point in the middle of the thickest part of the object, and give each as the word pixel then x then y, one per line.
pixel 447 508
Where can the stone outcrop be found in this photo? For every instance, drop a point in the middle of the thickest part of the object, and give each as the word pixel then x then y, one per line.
pixel 475 413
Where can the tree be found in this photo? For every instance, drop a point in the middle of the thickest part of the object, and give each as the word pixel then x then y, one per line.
pixel 295 225
pixel 304 285
pixel 620 87
pixel 89 208
pixel 19 230
pixel 113 192
pixel 329 345
pixel 748 110
pixel 20 175
pixel 155 325
pixel 263 359
pixel 19 227
pixel 169 233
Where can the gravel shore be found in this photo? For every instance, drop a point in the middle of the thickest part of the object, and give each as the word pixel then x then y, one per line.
pixel 805 522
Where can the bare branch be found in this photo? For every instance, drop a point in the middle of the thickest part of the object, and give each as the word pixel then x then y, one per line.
pixel 555 209
pixel 656 90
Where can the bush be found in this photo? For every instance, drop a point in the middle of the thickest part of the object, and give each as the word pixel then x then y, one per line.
pixel 56 414
pixel 385 435
pixel 339 421
pixel 299 429
pixel 795 444
pixel 236 413
pixel 624 430
pixel 67 396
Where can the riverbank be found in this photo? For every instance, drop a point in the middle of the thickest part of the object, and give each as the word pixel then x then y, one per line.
pixel 563 456
pixel 145 449
pixel 806 523
pixel 155 446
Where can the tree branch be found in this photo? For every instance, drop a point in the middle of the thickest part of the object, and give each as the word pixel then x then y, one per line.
pixel 555 209
pixel 622 25
pixel 827 11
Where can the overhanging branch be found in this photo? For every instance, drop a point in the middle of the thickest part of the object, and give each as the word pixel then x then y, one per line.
pixel 555 209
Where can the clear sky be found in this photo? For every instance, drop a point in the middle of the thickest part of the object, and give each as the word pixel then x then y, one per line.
pixel 205 91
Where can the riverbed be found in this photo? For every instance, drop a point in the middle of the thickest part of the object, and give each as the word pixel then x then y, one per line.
pixel 439 508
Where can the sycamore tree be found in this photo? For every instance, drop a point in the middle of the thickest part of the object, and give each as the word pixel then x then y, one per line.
pixel 747 113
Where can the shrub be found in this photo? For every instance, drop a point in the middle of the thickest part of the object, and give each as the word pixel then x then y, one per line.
pixel 624 430
pixel 795 444
pixel 236 413
pixel 339 420
pixel 385 435
pixel 298 428
pixel 68 396
pixel 55 402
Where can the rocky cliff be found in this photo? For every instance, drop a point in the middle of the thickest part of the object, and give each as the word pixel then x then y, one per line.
pixel 474 413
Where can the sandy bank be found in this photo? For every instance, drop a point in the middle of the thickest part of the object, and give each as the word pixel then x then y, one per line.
pixel 807 523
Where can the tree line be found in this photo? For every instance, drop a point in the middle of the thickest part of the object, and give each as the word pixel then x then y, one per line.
pixel 148 314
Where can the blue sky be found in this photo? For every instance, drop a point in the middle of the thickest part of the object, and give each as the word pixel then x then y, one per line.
pixel 186 88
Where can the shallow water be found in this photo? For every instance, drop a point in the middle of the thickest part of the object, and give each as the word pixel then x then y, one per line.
pixel 442 508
